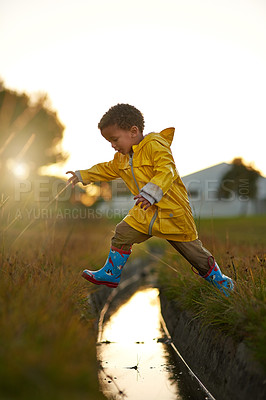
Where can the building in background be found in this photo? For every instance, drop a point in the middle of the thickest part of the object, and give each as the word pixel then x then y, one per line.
pixel 204 194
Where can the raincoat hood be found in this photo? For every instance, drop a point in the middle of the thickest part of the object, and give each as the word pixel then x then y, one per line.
pixel 168 135
pixel 165 137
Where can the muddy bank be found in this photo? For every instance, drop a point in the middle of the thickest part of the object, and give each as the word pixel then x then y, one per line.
pixel 226 368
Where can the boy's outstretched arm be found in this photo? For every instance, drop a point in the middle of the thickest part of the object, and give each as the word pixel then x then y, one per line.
pixel 105 171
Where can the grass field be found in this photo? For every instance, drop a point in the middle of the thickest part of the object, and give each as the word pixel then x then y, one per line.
pixel 47 336
pixel 239 246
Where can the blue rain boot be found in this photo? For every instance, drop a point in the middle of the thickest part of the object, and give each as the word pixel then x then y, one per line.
pixel 110 273
pixel 219 280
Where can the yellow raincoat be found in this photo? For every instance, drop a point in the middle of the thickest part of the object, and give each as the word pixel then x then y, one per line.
pixel 151 171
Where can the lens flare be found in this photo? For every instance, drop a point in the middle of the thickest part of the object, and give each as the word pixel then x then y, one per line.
pixel 20 170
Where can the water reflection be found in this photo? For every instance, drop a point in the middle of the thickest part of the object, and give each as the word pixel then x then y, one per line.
pixel 134 362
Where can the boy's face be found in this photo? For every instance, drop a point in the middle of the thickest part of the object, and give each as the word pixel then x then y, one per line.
pixel 121 140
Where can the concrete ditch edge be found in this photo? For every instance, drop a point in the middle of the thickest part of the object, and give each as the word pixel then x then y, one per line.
pixel 226 368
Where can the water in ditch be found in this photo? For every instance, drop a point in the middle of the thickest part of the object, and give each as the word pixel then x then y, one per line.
pixel 135 359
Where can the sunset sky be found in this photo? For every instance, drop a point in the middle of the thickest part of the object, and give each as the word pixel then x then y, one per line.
pixel 197 65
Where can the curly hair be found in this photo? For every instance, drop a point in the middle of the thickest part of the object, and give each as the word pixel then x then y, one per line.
pixel 124 116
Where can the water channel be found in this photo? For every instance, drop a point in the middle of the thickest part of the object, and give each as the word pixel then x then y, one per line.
pixel 137 362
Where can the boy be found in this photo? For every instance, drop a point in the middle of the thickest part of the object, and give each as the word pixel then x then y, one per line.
pixel 162 209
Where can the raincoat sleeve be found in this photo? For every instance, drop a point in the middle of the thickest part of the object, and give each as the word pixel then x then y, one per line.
pixel 106 171
pixel 164 173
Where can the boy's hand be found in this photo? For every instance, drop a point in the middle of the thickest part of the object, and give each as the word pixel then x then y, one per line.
pixel 144 202
pixel 74 179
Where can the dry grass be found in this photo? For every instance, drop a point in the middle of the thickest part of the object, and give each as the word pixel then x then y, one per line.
pixel 239 246
pixel 47 335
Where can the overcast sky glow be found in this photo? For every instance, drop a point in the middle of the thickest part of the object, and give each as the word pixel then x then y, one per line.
pixel 197 65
